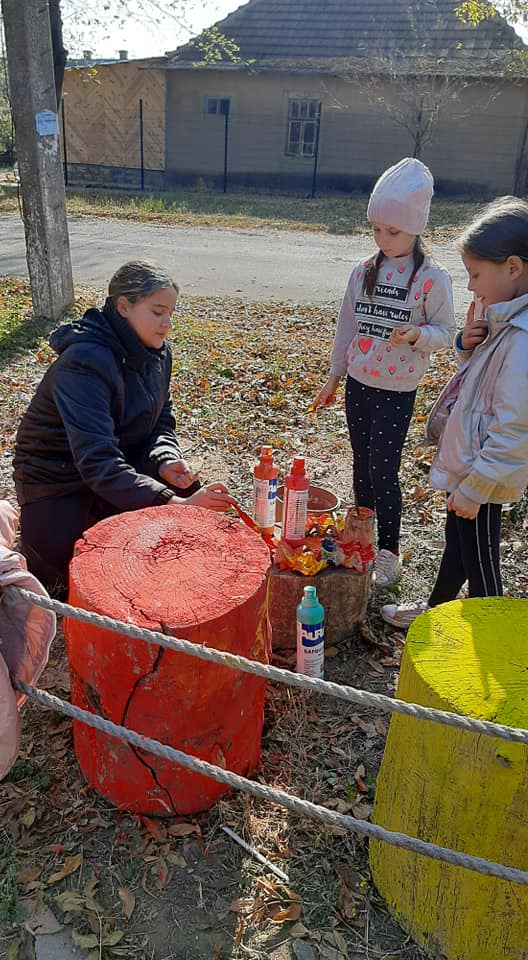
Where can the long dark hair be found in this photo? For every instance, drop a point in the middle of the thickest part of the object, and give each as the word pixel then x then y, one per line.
pixel 371 273
pixel 138 279
pixel 501 231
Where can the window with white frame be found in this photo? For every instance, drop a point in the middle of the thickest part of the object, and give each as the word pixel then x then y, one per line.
pixel 303 126
pixel 218 105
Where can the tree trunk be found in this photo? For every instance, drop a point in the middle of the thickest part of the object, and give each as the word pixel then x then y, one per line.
pixel 458 789
pixel 209 587
pixel 418 135
pixel 32 95
pixel 60 55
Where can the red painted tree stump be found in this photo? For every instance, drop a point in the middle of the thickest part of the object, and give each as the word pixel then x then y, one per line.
pixel 186 572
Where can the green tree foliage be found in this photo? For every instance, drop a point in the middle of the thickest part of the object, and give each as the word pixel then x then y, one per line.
pixel 475 11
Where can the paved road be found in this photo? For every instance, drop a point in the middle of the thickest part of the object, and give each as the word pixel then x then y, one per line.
pixel 254 264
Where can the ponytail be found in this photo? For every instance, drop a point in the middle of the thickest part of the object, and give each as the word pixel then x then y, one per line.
pixel 371 275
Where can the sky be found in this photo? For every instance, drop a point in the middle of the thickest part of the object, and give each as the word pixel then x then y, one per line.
pixel 142 36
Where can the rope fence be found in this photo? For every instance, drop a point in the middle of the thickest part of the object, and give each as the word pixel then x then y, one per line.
pixel 301 807
pixel 295 804
pixel 277 674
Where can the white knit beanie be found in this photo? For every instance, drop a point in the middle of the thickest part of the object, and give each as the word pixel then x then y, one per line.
pixel 402 196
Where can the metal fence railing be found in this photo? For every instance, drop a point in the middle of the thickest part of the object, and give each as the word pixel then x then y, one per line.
pixel 313 150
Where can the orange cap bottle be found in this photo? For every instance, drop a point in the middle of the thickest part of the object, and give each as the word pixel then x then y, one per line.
pixel 265 475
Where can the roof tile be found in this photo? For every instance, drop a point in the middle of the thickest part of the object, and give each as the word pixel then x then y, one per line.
pixel 307 29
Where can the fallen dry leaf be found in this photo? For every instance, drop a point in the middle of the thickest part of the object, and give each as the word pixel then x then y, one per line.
pixel 112 938
pixel 299 930
pixel 71 864
pixel 84 940
pixel 359 777
pixel 241 904
pixel 128 900
pixel 89 892
pixel 28 876
pixel 155 829
pixel 94 921
pixel 375 664
pixel 54 728
pixel 184 829
pixel 176 859
pixel 69 901
pixel 239 931
pixel 362 811
pixel 10 810
pixel 340 941
pixel 39 918
pixel 29 817
pixel 160 870
pixel 217 948
pixel 284 915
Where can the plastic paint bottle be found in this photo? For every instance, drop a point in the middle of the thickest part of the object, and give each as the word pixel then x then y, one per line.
pixel 265 475
pixel 296 485
pixel 310 635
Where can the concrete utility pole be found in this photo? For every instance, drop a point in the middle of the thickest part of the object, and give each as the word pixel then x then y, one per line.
pixel 32 94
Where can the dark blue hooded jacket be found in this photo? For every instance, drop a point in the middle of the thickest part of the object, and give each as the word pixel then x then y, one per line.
pixel 101 418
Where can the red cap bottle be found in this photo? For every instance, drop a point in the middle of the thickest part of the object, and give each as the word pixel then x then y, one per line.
pixel 296 485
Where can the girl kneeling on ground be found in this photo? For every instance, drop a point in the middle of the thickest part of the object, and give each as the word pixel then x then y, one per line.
pixel 98 437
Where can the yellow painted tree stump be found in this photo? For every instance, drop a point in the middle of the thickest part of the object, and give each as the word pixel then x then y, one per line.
pixel 460 790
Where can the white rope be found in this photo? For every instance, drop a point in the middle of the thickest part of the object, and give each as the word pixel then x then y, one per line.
pixel 268 672
pixel 302 807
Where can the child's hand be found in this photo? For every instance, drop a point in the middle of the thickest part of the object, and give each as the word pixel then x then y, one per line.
pixel 214 496
pixel 462 506
pixel 475 330
pixel 177 473
pixel 407 333
pixel 327 394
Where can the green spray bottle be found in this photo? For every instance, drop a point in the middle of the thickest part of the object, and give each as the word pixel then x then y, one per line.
pixel 310 635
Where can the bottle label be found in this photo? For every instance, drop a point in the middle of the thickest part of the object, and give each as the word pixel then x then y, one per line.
pixel 264 502
pixel 296 508
pixel 310 649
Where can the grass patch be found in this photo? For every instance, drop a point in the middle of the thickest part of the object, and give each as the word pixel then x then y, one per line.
pixel 338 215
pixel 9 888
pixel 20 330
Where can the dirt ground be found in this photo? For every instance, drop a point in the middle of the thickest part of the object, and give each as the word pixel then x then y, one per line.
pixel 180 889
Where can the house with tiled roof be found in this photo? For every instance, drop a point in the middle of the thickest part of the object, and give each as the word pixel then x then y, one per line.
pixel 309 95
pixel 318 83
pixel 293 32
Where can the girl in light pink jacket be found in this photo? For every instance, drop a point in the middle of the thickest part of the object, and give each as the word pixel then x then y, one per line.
pixel 480 420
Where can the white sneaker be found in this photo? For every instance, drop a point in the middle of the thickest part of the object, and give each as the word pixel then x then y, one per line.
pixel 387 568
pixel 403 614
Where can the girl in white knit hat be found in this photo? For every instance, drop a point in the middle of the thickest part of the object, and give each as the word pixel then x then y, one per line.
pixel 397 309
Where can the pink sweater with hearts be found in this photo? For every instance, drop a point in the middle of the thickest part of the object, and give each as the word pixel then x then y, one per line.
pixel 364 325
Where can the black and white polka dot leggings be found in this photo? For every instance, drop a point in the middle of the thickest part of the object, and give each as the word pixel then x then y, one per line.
pixel 378 421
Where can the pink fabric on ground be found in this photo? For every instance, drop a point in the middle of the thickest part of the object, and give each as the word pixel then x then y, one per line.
pixel 9 722
pixel 26 633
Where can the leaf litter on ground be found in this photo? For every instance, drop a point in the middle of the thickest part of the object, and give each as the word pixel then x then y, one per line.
pixel 244 374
